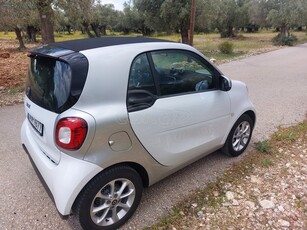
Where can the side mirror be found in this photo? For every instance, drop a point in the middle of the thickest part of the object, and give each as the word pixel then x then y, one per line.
pixel 225 83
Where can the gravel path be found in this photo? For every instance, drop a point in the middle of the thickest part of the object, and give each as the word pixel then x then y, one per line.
pixel 277 84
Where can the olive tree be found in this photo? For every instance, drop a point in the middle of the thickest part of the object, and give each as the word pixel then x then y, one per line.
pixel 286 14
pixel 166 15
pixel 16 14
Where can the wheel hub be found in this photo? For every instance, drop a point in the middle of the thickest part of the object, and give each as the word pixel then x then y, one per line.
pixel 114 202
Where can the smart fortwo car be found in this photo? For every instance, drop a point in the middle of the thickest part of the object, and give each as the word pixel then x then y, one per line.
pixel 106 117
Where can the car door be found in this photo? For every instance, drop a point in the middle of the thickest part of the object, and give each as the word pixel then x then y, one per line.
pixel 175 107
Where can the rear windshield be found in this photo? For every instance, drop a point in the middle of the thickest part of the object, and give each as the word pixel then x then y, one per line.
pixel 49 81
pixel 56 83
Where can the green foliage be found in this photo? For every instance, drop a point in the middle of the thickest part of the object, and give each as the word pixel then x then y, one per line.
pixel 15 90
pixel 266 162
pixel 166 15
pixel 286 136
pixel 290 13
pixel 284 40
pixel 158 16
pixel 226 47
pixel 263 146
pixel 226 13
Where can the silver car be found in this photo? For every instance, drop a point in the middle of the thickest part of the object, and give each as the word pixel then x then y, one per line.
pixel 106 117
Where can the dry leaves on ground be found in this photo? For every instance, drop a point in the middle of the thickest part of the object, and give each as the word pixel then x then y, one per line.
pixel 13 70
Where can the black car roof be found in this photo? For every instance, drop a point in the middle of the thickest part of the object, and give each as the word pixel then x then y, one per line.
pixel 91 43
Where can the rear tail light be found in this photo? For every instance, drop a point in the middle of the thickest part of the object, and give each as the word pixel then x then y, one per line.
pixel 70 133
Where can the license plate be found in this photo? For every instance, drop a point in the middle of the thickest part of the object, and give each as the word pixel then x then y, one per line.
pixel 38 126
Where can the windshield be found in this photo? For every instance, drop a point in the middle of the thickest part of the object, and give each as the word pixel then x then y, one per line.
pixel 49 82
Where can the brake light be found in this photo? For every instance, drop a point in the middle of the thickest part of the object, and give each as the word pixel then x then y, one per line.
pixel 70 133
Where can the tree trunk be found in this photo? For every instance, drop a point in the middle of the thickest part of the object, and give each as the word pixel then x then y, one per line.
pixel 103 30
pixel 82 30
pixel 283 30
pixel 227 32
pixel 95 28
pixel 86 29
pixel 46 20
pixel 230 32
pixel 68 28
pixel 145 31
pixel 126 31
pixel 185 36
pixel 19 37
pixel 31 33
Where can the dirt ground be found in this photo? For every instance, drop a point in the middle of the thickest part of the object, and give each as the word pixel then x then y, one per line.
pixel 13 70
pixel 13 65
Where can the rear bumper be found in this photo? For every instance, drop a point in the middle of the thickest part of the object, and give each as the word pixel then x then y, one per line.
pixel 64 180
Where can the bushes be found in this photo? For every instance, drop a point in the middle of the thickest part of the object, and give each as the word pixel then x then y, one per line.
pixel 226 47
pixel 284 40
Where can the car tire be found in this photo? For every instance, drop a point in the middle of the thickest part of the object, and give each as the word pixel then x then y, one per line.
pixel 109 199
pixel 239 136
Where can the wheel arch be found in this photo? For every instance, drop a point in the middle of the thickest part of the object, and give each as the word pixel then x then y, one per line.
pixel 252 115
pixel 249 116
pixel 137 167
pixel 115 172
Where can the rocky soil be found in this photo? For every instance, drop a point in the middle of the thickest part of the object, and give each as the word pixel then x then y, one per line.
pixel 273 198
pixel 272 195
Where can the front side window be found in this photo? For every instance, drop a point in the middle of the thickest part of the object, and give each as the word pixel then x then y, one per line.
pixel 141 88
pixel 181 72
pixel 141 76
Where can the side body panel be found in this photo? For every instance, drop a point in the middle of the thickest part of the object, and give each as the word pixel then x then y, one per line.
pixel 177 129
pixel 240 104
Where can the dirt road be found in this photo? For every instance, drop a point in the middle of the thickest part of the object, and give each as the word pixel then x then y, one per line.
pixel 277 83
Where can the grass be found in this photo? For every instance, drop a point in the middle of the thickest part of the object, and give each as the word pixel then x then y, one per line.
pixel 206 43
pixel 7 35
pixel 284 136
pixel 263 156
pixel 14 90
pixel 263 146
pixel 245 43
